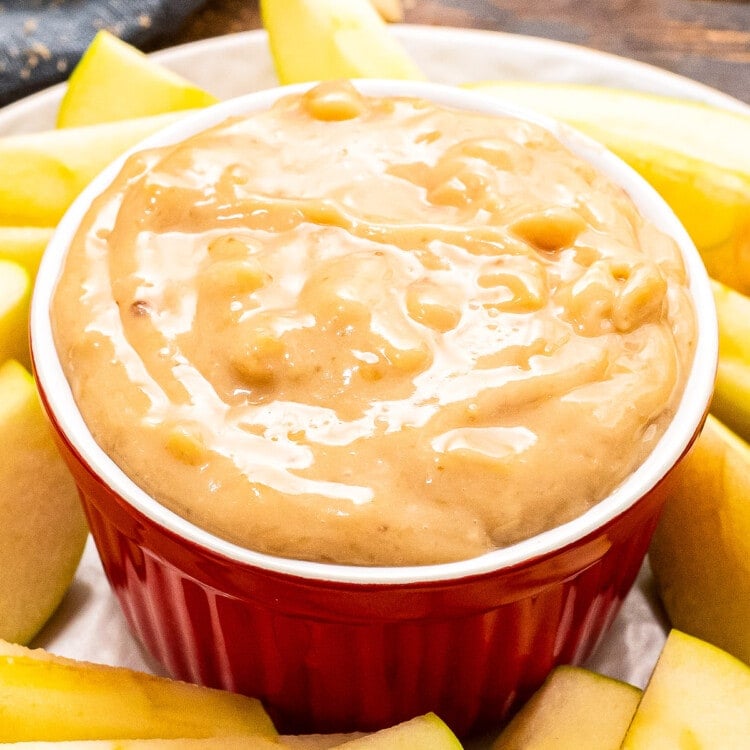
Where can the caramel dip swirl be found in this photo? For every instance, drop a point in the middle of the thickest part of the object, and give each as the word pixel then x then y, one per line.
pixel 372 331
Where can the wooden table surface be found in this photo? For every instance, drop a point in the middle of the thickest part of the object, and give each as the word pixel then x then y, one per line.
pixel 707 40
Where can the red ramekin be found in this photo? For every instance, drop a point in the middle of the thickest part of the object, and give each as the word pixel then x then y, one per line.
pixel 338 648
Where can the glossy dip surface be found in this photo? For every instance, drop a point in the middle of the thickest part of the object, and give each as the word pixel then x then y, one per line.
pixel 372 331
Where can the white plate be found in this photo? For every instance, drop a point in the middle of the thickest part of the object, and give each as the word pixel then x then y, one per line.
pixel 88 624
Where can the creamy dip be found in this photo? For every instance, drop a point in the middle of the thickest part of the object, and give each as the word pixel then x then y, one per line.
pixel 372 331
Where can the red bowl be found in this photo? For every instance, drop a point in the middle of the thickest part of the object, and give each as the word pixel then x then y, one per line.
pixel 338 648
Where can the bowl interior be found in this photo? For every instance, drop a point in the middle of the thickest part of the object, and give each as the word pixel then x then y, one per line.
pixel 676 438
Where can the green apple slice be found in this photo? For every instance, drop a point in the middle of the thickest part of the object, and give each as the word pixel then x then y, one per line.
pixel 49 698
pixel 693 154
pixel 575 709
pixel 698 697
pixel 426 732
pixel 115 81
pixel 41 173
pixel 700 553
pixel 315 40
pixel 43 528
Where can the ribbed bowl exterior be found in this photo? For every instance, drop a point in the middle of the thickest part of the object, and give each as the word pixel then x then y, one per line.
pixel 332 656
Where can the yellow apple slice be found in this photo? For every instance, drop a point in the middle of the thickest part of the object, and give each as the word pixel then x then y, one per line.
pixel 700 553
pixel 35 188
pixel 48 698
pixel 426 732
pixel 575 709
pixel 698 697
pixel 695 155
pixel 41 523
pixel 315 40
pixel 25 246
pixel 249 742
pixel 41 173
pixel 15 293
pixel 115 81
pixel 253 742
pixel 731 402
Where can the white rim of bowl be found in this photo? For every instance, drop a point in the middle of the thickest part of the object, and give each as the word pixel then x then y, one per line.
pixel 691 409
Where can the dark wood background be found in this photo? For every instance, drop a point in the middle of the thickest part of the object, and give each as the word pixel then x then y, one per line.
pixel 707 40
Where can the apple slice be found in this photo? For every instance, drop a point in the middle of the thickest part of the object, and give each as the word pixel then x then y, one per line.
pixel 15 292
pixel 575 709
pixel 41 173
pixel 35 188
pixel 687 150
pixel 426 732
pixel 25 246
pixel 698 697
pixel 48 698
pixel 731 402
pixel 252 742
pixel 115 81
pixel 315 40
pixel 41 522
pixel 700 553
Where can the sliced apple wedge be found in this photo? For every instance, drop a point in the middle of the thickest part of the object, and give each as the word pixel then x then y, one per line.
pixel 35 187
pixel 731 402
pixel 42 524
pixel 252 742
pixel 115 81
pixel 25 246
pixel 41 173
pixel 700 553
pixel 426 732
pixel 49 698
pixel 15 293
pixel 315 40
pixel 691 153
pixel 698 697
pixel 575 709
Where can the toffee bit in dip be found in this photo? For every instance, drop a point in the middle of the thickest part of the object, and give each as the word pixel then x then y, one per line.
pixel 139 308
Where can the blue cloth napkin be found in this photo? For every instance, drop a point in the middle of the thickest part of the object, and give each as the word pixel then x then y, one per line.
pixel 41 40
